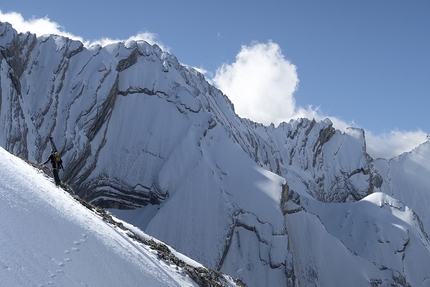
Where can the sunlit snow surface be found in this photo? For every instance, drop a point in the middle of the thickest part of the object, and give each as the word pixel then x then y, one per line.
pixel 48 238
pixel 377 238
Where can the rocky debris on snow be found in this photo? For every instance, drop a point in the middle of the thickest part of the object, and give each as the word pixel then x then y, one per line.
pixel 203 276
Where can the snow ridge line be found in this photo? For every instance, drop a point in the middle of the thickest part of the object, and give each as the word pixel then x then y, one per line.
pixel 203 276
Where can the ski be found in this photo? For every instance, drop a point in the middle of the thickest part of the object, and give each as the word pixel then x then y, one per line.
pixel 54 148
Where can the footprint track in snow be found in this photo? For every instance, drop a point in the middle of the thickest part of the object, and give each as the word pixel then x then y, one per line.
pixel 76 245
pixel 55 273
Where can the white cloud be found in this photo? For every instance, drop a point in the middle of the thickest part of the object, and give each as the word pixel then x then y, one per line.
pixel 38 26
pixel 43 26
pixel 394 143
pixel 149 37
pixel 261 85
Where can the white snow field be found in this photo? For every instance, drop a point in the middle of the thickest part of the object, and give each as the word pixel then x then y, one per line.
pixel 48 238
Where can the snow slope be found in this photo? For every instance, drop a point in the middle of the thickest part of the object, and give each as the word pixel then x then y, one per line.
pixel 48 238
pixel 407 178
pixel 377 241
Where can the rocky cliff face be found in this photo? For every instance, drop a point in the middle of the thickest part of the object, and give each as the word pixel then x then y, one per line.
pixel 141 103
pixel 138 130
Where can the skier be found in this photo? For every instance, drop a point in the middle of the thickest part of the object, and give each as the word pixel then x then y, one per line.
pixel 57 163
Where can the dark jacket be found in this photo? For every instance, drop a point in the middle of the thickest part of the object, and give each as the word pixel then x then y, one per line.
pixel 55 164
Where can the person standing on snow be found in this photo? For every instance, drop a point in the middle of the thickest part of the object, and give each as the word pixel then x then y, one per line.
pixel 57 164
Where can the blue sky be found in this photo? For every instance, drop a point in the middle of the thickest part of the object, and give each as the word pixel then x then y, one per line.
pixel 363 63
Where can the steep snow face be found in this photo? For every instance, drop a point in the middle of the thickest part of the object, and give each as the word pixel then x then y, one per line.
pixel 377 241
pixel 329 165
pixel 215 200
pixel 406 177
pixel 48 238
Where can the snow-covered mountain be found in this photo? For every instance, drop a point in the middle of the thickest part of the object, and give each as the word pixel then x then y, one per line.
pixel 301 204
pixel 49 238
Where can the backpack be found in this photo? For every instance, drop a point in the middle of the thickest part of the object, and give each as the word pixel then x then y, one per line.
pixel 58 159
